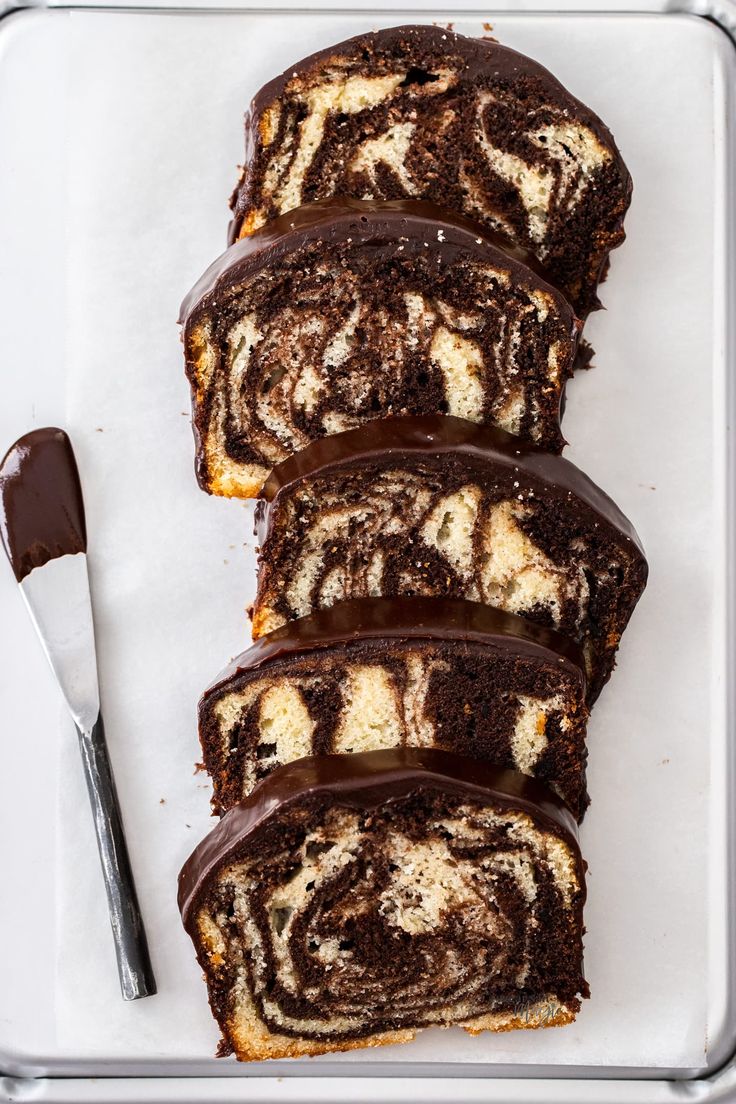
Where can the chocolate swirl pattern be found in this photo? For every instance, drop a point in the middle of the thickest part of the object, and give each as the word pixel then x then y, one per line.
pixel 355 899
pixel 380 357
pixel 421 112
pixel 379 673
pixel 346 310
pixel 439 507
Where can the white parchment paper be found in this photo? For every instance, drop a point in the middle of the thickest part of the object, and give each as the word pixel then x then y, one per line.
pixel 155 107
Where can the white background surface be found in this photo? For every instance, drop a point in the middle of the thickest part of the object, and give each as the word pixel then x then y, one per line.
pixel 137 132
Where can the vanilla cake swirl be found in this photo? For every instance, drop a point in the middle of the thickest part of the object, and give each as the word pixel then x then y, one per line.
pixel 344 311
pixel 354 899
pixel 438 506
pixel 422 113
pixel 376 673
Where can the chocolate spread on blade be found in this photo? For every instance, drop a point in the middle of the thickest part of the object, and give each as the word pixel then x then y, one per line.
pixel 41 507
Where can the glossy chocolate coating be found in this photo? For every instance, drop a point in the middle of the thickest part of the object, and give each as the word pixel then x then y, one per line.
pixel 393 439
pixel 419 618
pixel 382 227
pixel 41 507
pixel 482 56
pixel 365 781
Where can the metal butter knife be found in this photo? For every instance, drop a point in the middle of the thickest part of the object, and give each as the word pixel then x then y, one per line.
pixel 43 530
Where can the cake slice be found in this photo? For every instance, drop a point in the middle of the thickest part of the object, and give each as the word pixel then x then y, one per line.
pixel 353 899
pixel 438 506
pixel 344 311
pixel 376 673
pixel 422 113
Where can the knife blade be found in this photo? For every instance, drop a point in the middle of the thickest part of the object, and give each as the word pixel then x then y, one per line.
pixel 43 531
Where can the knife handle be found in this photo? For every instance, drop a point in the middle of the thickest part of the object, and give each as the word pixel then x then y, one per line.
pixel 131 946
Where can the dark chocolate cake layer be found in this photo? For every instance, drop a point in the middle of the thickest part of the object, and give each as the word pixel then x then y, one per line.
pixel 377 673
pixel 346 310
pixel 419 112
pixel 438 506
pixel 353 899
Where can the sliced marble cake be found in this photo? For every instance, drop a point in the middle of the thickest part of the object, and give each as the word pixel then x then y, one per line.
pixel 345 311
pixel 353 899
pixel 438 506
pixel 385 672
pixel 422 113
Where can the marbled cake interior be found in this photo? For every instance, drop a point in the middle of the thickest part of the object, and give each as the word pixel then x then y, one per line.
pixel 496 704
pixel 335 334
pixel 424 113
pixel 436 526
pixel 355 928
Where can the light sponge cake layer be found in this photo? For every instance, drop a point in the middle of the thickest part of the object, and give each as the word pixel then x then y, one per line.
pixel 354 899
pixel 377 673
pixel 345 311
pixel 440 507
pixel 419 112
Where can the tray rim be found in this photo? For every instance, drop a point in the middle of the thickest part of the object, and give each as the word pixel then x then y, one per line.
pixel 716 1084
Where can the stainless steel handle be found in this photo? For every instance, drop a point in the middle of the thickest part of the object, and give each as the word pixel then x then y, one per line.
pixel 131 947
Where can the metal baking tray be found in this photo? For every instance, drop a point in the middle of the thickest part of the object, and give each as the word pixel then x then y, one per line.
pixel 119 131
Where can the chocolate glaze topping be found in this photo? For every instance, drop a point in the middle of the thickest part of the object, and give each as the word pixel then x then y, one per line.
pixel 408 619
pixel 41 507
pixel 433 436
pixel 366 781
pixel 374 225
pixel 481 56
